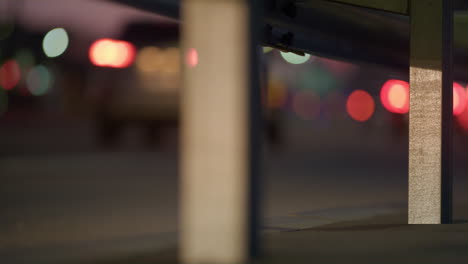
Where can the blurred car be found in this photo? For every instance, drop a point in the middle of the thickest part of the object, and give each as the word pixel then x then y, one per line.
pixel 145 92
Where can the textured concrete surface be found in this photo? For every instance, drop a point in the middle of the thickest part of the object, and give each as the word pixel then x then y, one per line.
pixel 66 201
pixel 382 238
pixel 425 147
pixel 430 81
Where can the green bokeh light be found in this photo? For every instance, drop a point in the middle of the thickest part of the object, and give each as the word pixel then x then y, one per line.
pixel 25 59
pixel 319 80
pixel 39 80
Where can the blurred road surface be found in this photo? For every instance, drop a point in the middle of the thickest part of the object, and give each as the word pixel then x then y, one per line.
pixel 65 200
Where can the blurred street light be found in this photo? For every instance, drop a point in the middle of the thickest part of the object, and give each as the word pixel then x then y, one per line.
pixel 294 58
pixel 10 74
pixel 112 53
pixel 55 42
pixel 360 105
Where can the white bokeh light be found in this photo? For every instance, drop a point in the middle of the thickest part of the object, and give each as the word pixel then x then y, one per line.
pixel 55 42
pixel 294 58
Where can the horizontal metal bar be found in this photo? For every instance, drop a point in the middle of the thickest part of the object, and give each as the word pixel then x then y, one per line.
pixel 394 6
pixel 342 31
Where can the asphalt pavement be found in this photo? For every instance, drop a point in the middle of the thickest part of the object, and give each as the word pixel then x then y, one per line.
pixel 64 199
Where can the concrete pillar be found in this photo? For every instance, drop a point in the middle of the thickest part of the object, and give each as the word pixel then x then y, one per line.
pixel 430 175
pixel 219 144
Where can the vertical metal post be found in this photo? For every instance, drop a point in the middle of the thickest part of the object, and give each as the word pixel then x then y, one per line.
pixel 430 172
pixel 220 127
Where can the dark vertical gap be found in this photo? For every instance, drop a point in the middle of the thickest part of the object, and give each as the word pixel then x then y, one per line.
pixel 254 127
pixel 447 116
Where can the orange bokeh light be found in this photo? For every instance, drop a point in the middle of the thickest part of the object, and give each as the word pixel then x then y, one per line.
pixel 10 74
pixel 394 96
pixel 112 53
pixel 360 105
pixel 277 94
